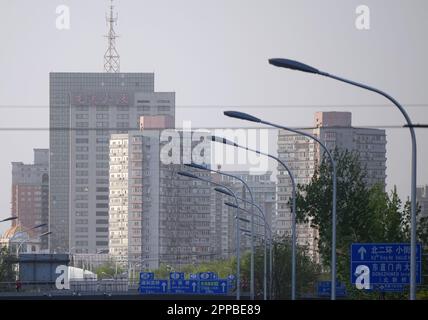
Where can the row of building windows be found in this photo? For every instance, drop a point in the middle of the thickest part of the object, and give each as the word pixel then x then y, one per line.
pixel 86 141
pixel 85 243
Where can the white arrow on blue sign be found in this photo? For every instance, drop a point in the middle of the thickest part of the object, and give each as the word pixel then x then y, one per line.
pixel 213 286
pixel 153 286
pixel 183 286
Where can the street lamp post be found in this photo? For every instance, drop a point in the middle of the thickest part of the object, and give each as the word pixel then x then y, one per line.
pixel 295 65
pixel 293 215
pixel 248 234
pixel 267 227
pixel 238 238
pixel 265 236
pixel 245 116
pixel 197 166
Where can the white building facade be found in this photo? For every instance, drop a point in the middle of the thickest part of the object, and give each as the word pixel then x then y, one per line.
pixel 156 216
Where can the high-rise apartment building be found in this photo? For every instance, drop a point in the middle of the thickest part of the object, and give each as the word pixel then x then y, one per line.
pixel 156 216
pixel 303 155
pixel 85 109
pixel 30 193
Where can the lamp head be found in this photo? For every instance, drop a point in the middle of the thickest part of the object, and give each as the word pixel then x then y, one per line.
pixel 187 174
pixel 46 234
pixel 224 191
pixel 242 116
pixel 39 225
pixel 195 165
pixel 9 219
pixel 230 204
pixel 292 64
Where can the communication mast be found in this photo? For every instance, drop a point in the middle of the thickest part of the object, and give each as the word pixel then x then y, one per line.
pixel 111 57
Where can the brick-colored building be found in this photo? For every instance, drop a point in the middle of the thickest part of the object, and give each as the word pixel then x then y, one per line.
pixel 30 193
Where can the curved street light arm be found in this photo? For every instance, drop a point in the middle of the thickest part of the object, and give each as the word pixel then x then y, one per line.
pixel 334 218
pixel 293 215
pixel 238 239
pixel 414 169
pixel 252 220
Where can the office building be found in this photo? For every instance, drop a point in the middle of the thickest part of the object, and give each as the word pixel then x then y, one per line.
pixel 85 109
pixel 303 155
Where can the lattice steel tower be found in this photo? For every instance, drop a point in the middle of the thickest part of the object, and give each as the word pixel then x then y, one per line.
pixel 111 57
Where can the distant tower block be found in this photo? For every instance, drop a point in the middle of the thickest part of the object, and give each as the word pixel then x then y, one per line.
pixel 111 57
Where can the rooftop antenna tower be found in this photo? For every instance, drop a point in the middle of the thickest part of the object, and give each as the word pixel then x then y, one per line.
pixel 111 57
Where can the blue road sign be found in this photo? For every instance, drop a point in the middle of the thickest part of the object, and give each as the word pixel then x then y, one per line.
pixel 324 289
pixel 147 276
pixel 176 276
pixel 153 286
pixel 389 263
pixel 218 286
pixel 184 286
pixel 201 283
pixel 231 282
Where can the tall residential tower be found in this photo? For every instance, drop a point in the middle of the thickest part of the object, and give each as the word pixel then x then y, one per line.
pixel 303 156
pixel 156 216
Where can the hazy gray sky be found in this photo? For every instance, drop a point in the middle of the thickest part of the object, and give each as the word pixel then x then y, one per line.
pixel 214 53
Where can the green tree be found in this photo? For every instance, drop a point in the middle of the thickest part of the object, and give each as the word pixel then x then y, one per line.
pixel 223 267
pixel 307 271
pixel 108 270
pixel 314 203
pixel 306 275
